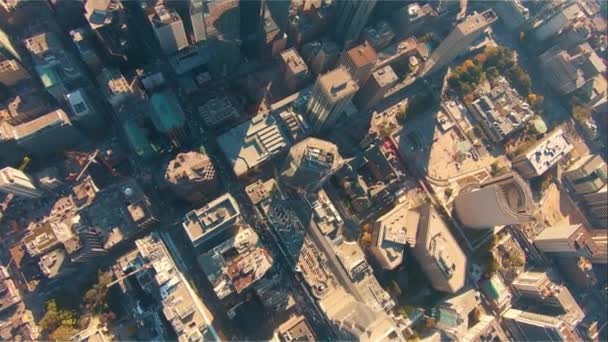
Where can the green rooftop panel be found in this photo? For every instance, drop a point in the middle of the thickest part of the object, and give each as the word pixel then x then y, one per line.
pixel 166 114
pixel 137 139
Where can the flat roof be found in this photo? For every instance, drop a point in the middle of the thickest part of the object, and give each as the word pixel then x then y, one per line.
pixel 362 54
pixel 56 117
pixel 294 61
pixel 338 84
pixel 167 113
pixel 547 152
pixel 214 214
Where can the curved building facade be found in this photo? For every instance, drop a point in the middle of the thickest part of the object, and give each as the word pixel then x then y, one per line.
pixel 502 200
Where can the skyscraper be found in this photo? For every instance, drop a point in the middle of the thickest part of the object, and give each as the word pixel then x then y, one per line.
pixel 329 96
pixel 108 20
pixel 197 20
pixel 310 163
pixel 14 181
pixel 567 240
pixel 351 17
pixel 375 88
pixel 458 40
pixel 359 61
pixel 588 181
pixel 502 200
pixel 528 326
pixel 169 29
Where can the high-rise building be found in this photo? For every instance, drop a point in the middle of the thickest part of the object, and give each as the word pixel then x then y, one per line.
pixel 25 106
pixel 221 19
pixel 169 29
pixel 359 61
pixel 192 176
pixel 330 94
pixel 392 232
pixel 107 18
pixel 81 39
pixel 321 56
pixel 513 13
pixel 85 111
pixel 569 70
pixel 168 116
pixel 528 326
pixel 14 181
pixel 458 40
pixel 533 284
pixel 213 223
pixel 412 19
pixel 375 88
pixel 197 20
pixel 567 240
pixel 352 15
pixel 438 252
pixel 294 69
pixel 502 200
pixel 555 23
pixel 588 181
pixel 540 157
pixel 310 163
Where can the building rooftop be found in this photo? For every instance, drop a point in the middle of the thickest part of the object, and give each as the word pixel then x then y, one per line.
pixel 253 142
pixel 438 252
pixel 409 47
pixel 379 35
pixel 237 263
pixel 362 55
pixel 501 110
pixel 548 151
pixel 385 76
pixel 167 113
pixel 41 43
pixel 338 84
pixel 181 308
pixel 163 16
pixel 475 21
pixel 217 111
pixel 296 328
pixel 215 214
pixel 392 232
pixel 190 167
pixel 294 62
pixel 114 85
pixel 54 118
pixel 9 294
pixel 99 13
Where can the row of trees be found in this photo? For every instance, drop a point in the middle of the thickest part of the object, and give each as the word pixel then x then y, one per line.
pixel 60 323
pixel 493 62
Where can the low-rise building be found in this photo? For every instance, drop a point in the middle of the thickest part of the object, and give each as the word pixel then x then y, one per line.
pixel 192 176
pixel 501 111
pixel 296 328
pixel 413 18
pixel 543 155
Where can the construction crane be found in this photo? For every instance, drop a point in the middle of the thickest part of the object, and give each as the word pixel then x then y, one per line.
pixel 114 282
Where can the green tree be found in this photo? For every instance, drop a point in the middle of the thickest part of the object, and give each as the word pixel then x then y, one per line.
pixel 54 319
pixel 94 299
pixel 63 333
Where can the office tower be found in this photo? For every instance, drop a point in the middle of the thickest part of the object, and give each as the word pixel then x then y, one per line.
pixel 310 163
pixel 84 45
pixel 197 21
pixel 13 181
pixel 213 223
pixel 50 133
pixel 502 200
pixel 168 116
pixel 351 17
pixel 169 29
pixel 413 19
pixel 544 154
pixel 375 88
pixel 528 326
pixel 438 253
pixel 192 177
pixel 557 22
pixel 330 94
pixel 392 232
pixel 251 15
pixel 108 20
pixel 588 181
pixel 294 69
pixel 321 56
pixel 359 61
pixel 534 285
pixel 567 240
pixel 8 46
pixel 569 70
pixel 458 40
pixel 24 106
